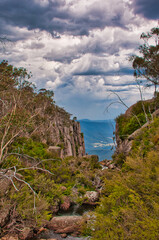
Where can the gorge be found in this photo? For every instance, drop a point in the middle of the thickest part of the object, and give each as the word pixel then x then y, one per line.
pixel 44 170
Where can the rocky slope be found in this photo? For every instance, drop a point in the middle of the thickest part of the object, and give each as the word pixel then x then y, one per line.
pixel 130 124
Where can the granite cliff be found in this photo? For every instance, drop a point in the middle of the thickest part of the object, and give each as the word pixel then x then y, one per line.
pixel 31 113
pixel 42 163
pixel 63 137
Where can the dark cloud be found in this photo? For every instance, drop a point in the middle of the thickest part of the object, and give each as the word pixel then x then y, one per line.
pixel 63 55
pixel 147 8
pixel 32 15
pixel 96 72
pixel 57 17
pixel 116 84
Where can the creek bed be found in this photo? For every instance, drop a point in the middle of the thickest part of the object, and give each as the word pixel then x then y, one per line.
pixel 74 210
pixel 51 235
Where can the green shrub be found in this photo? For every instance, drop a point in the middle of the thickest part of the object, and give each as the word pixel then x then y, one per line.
pixel 129 203
pixel 127 124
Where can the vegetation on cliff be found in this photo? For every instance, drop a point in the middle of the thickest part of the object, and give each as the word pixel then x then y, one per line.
pixel 129 203
pixel 34 180
pixel 135 117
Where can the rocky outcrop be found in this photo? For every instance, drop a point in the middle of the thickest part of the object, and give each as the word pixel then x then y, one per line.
pixel 10 237
pixel 108 164
pixel 66 224
pixel 91 197
pixel 123 147
pixel 64 138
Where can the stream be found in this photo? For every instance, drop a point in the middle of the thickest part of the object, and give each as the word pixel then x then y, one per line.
pixel 77 210
pixel 74 210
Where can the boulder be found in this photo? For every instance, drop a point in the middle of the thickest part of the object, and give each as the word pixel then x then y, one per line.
pixel 9 237
pixel 42 229
pixel 111 166
pixel 106 162
pixel 55 150
pixel 66 224
pixel 91 197
pixel 64 235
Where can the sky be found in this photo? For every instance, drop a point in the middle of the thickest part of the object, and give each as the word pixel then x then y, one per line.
pixel 79 49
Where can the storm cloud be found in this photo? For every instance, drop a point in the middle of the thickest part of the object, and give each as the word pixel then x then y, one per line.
pixel 78 48
pixel 148 9
pixel 64 16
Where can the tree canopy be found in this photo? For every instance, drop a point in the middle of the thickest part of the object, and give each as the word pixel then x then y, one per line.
pixel 146 65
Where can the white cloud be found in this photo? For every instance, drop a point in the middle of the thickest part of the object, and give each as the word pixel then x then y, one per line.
pixel 86 66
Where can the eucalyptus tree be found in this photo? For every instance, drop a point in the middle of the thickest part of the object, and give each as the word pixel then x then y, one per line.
pixel 146 64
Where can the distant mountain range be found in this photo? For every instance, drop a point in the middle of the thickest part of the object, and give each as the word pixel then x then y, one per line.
pixel 88 120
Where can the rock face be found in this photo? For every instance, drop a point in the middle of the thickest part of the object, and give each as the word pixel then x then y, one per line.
pixel 66 224
pixel 122 146
pixel 62 134
pixel 64 138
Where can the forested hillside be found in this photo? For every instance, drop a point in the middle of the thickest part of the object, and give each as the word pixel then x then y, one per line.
pixel 41 151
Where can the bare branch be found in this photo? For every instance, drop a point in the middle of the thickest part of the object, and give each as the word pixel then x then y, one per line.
pixel 106 109
pixel 20 180
pixel 124 104
pixel 35 168
pixel 143 106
